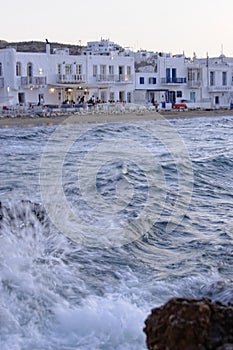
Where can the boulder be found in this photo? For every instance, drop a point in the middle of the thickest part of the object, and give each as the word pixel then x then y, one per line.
pixel 190 324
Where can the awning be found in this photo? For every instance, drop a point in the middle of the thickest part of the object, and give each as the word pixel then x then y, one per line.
pixel 77 86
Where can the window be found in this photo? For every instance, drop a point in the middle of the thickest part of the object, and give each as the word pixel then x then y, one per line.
pixel 212 78
pixel 68 69
pixel 178 93
pixel 141 80
pixel 121 70
pixel 102 69
pixel 128 70
pixel 18 69
pixel 78 69
pixel 94 70
pixel 29 70
pixel 111 96
pixel 152 80
pixel 0 68
pixel 224 78
pixel 191 75
pixel 59 68
pixel 111 70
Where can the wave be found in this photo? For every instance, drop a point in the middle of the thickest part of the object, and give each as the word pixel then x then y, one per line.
pixel 58 293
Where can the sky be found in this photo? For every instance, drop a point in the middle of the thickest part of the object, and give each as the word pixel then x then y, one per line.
pixel 175 26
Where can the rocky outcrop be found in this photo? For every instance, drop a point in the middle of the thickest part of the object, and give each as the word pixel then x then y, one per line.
pixel 190 324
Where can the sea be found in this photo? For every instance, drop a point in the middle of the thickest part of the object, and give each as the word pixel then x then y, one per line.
pixel 100 223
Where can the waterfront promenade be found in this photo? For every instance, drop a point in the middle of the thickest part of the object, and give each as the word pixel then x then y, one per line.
pixel 102 116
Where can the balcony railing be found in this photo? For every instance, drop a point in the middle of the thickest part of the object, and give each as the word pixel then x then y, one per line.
pixel 173 80
pixel 192 84
pixel 33 81
pixel 114 78
pixel 1 82
pixel 220 88
pixel 71 78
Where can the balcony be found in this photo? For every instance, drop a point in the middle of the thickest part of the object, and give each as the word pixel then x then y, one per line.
pixel 220 88
pixel 1 82
pixel 33 81
pixel 173 80
pixel 71 78
pixel 194 84
pixel 114 78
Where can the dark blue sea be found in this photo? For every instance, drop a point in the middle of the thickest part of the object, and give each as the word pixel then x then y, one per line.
pixel 100 223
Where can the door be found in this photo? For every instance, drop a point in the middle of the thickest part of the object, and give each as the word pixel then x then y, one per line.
pixel 173 75
pixel 192 96
pixel 168 76
pixel 21 97
pixel 172 96
pixel 41 99
pixel 121 96
pixel 121 73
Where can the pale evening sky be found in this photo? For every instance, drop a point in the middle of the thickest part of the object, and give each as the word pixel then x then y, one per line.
pixel 198 26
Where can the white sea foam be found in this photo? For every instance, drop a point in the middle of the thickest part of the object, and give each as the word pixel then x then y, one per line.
pixel 102 323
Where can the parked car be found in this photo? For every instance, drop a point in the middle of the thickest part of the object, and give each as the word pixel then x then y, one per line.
pixel 179 106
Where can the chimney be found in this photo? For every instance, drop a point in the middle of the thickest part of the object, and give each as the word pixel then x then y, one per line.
pixel 47 47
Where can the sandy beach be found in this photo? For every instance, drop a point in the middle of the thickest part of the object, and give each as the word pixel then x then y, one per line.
pixel 92 118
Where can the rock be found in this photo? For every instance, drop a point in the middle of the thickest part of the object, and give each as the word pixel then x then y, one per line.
pixel 190 324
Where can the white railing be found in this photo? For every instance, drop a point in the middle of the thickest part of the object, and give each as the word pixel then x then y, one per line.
pixel 194 84
pixel 33 81
pixel 114 78
pixel 173 80
pixel 71 78
pixel 220 88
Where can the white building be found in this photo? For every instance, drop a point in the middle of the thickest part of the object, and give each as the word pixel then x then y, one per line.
pixel 102 47
pixel 53 78
pixel 110 73
pixel 210 81
pixel 169 79
pixel 161 78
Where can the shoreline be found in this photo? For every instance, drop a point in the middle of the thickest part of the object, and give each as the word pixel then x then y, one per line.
pixel 94 118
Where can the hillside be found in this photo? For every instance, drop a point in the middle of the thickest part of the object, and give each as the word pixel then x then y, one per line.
pixel 39 46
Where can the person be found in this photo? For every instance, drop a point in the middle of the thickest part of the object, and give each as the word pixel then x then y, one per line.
pixel 41 102
pixel 156 105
